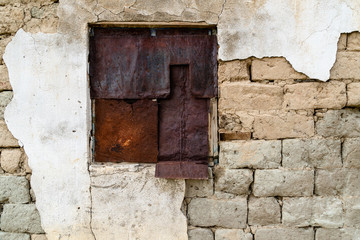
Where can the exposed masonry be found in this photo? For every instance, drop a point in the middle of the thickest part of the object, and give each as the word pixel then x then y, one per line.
pixel 293 172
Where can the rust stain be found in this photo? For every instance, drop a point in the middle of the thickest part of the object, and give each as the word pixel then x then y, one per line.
pixel 126 132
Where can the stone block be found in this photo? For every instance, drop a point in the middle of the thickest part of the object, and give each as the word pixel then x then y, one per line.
pixel 351 152
pixel 233 71
pixel 346 66
pixel 337 234
pixel 313 153
pixel 14 189
pixel 250 154
pixel 232 234
pixel 6 138
pixel 239 121
pixel 278 125
pixel 199 188
pixel 273 69
pixel 352 211
pixel 4 79
pixel 21 218
pixel 4 40
pixel 264 211
pixel 14 236
pixel 11 159
pixel 38 237
pixel 353 41
pixel 11 19
pixel 235 181
pixel 339 123
pixel 5 98
pixel 341 46
pixel 227 213
pixel 311 95
pixel 318 211
pixel 286 183
pixel 242 96
pixel 353 94
pixel 200 234
pixel 344 182
pixel 284 234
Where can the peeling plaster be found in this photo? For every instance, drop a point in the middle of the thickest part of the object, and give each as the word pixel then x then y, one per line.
pixel 50 110
pixel 304 32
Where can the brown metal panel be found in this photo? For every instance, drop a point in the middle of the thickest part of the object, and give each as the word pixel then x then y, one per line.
pixel 125 131
pixel 128 64
pixel 181 170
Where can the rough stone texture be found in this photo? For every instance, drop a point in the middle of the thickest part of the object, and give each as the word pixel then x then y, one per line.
pixel 14 189
pixel 353 41
pixel 132 191
pixel 4 78
pixel 273 69
pixel 264 211
pixel 227 213
pixel 11 159
pixel 11 19
pixel 233 71
pixel 200 234
pixel 236 181
pixel 232 234
pixel 283 125
pixel 199 188
pixel 232 121
pixel 353 96
pixel 43 19
pixel 283 183
pixel 352 212
pixel 342 42
pixel 337 234
pixel 344 182
pixel 38 237
pixel 347 66
pixel 251 154
pixel 250 96
pixel 351 152
pixel 284 234
pixel 310 95
pixel 6 138
pixel 4 40
pixel 339 123
pixel 14 236
pixel 5 98
pixel 20 218
pixel 314 153
pixel 318 211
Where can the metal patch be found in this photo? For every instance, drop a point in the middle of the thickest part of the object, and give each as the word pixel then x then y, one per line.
pixel 126 131
pixel 181 170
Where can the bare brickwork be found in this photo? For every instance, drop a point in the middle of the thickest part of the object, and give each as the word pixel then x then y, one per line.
pixel 19 218
pixel 293 171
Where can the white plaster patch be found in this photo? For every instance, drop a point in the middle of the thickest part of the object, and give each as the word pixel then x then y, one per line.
pixel 48 113
pixel 304 32
pixel 151 205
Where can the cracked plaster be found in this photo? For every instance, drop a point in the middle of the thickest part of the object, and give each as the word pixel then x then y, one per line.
pixel 50 111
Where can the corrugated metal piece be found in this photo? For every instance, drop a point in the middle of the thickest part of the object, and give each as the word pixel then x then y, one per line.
pixel 181 170
pixel 126 131
pixel 132 64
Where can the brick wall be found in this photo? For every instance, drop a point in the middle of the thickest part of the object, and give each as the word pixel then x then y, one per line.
pixel 19 218
pixel 289 154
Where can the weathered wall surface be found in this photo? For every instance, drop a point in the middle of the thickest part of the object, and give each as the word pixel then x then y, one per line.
pixel 285 137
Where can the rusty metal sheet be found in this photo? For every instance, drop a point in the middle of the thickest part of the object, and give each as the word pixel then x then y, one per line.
pixel 126 131
pixel 127 64
pixel 183 122
pixel 133 64
pixel 181 170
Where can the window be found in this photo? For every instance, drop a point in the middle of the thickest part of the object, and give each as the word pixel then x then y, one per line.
pixel 152 89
